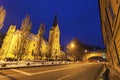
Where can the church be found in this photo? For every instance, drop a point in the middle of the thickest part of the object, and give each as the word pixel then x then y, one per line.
pixel 21 44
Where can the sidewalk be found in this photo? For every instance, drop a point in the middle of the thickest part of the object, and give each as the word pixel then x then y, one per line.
pixel 114 75
pixel 108 73
pixel 23 64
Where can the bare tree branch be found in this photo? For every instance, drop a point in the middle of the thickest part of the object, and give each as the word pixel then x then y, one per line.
pixel 2 16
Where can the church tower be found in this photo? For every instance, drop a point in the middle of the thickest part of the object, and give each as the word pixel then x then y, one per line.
pixel 54 40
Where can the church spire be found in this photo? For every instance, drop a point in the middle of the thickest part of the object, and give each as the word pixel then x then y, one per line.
pixel 55 21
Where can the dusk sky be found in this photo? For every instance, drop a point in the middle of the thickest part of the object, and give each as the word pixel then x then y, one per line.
pixel 76 18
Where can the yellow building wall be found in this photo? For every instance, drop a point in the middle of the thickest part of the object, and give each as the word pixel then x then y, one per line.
pixel 112 42
pixel 30 51
pixel 54 42
pixel 8 43
pixel 12 41
pixel 43 48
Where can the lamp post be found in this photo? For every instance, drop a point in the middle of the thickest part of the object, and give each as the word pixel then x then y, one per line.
pixel 56 55
pixel 72 48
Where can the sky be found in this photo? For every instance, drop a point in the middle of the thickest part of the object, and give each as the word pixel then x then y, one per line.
pixel 76 18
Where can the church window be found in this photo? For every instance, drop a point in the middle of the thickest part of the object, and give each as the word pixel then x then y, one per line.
pixel 32 52
pixel 34 44
pixel 56 35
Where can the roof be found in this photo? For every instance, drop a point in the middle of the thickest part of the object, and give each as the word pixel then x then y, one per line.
pixel 33 37
pixel 55 21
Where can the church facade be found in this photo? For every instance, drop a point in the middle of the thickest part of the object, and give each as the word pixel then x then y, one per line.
pixel 18 46
pixel 54 37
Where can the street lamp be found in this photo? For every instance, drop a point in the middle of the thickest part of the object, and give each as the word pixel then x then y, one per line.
pixel 71 48
pixel 86 51
pixel 72 45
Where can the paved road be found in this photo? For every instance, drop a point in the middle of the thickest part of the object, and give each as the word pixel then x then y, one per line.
pixel 62 72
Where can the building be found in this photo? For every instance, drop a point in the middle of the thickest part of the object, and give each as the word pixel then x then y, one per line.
pixel 33 46
pixel 10 42
pixel 110 22
pixel 54 40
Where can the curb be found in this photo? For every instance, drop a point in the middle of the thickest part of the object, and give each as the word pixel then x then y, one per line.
pixel 99 75
pixel 3 68
pixel 29 65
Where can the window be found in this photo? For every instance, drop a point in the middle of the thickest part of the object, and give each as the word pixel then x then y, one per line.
pixel 117 1
pixel 56 35
pixel 33 44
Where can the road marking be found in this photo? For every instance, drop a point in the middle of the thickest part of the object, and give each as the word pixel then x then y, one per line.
pixel 22 72
pixel 64 77
pixel 29 74
pixel 53 70
pixel 7 76
pixel 83 70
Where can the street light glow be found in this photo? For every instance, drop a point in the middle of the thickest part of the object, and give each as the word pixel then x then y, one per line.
pixel 85 51
pixel 72 45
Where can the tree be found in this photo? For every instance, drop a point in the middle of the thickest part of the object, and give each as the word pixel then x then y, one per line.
pixel 75 50
pixel 47 54
pixel 16 50
pixel 26 25
pixel 26 30
pixel 2 16
pixel 41 32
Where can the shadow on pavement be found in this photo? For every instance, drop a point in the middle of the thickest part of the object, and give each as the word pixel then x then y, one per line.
pixel 7 76
pixel 106 74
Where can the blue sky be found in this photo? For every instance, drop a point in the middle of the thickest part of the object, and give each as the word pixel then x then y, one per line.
pixel 77 18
